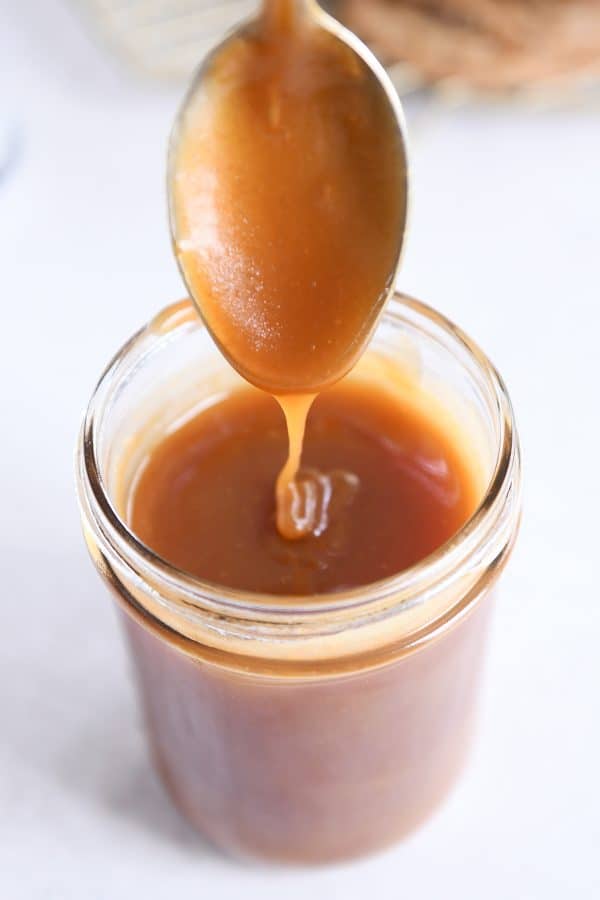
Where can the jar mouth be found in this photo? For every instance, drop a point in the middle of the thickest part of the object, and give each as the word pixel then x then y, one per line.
pixel 403 590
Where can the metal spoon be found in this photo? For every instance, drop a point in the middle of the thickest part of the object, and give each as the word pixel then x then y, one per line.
pixel 288 184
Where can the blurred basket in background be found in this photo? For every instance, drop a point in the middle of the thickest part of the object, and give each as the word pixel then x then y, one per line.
pixel 484 45
pixel 477 45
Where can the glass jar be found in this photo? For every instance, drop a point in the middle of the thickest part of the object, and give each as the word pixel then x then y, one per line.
pixel 286 729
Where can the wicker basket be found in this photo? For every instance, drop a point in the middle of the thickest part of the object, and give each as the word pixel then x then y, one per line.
pixel 484 45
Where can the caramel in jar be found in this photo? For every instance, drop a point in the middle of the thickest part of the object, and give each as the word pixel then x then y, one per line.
pixel 294 726
pixel 306 764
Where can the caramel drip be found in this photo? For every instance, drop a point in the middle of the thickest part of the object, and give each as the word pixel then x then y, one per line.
pixel 282 15
pixel 301 502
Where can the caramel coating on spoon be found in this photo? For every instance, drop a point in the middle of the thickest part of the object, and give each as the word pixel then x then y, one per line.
pixel 288 200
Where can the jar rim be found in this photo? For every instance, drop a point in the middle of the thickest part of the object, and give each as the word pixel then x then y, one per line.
pixel 403 590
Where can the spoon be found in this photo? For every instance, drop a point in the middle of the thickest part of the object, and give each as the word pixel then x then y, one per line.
pixel 287 182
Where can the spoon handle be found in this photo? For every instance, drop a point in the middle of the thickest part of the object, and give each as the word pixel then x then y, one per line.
pixel 284 13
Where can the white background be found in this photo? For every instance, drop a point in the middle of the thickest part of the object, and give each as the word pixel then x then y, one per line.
pixel 505 239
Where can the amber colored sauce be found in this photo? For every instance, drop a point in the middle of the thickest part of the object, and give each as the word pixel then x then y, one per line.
pixel 288 201
pixel 204 500
pixel 288 204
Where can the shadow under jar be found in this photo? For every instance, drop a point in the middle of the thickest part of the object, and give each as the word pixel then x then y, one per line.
pixel 286 728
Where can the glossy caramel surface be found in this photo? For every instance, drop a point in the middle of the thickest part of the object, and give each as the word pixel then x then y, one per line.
pixel 400 489
pixel 288 200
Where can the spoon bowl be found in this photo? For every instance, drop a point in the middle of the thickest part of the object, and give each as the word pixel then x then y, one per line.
pixel 288 190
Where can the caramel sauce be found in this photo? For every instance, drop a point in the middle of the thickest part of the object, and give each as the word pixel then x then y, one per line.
pixel 288 202
pixel 397 488
pixel 288 207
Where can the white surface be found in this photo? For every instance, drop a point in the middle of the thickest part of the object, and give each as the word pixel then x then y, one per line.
pixel 504 239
